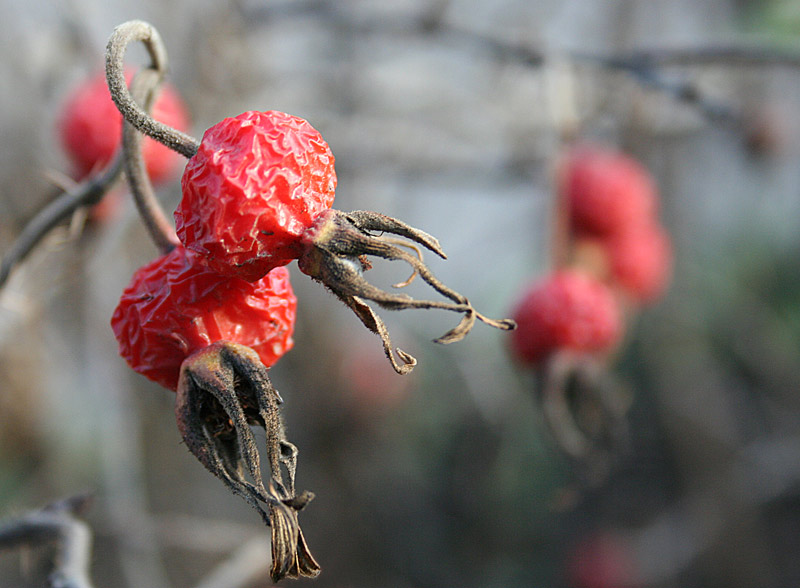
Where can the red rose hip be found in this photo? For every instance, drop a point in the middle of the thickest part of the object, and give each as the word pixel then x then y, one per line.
pixel 175 306
pixel 569 310
pixel 641 262
pixel 607 191
pixel 256 184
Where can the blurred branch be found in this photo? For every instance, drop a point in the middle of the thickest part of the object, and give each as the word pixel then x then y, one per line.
pixel 56 523
pixel 732 55
pixel 246 565
pixel 201 534
pixel 86 193
pixel 641 64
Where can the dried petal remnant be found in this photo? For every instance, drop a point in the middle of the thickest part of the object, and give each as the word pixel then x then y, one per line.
pixel 334 249
pixel 223 391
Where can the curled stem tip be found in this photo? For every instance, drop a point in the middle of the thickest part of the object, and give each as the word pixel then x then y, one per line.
pixel 223 391
pixel 124 35
pixel 336 246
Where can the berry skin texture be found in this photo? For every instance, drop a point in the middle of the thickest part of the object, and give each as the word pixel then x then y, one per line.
pixel 175 306
pixel 256 184
pixel 90 129
pixel 569 310
pixel 607 191
pixel 641 262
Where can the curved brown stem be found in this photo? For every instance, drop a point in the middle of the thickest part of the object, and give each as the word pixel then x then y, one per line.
pixel 144 88
pixel 123 35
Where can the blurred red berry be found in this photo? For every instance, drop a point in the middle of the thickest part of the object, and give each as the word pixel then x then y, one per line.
pixel 255 185
pixel 90 128
pixel 569 310
pixel 607 191
pixel 641 261
pixel 176 305
pixel 601 561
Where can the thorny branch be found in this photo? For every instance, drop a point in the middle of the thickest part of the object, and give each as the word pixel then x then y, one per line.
pixel 57 523
pixel 641 64
pixel 124 35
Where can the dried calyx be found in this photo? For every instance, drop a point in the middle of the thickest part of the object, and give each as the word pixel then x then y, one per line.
pixel 223 391
pixel 336 247
pixel 585 409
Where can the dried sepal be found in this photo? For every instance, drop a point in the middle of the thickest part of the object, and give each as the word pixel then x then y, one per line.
pixel 223 391
pixel 335 249
pixel 585 409
pixel 375 324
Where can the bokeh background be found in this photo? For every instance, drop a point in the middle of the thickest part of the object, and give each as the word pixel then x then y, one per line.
pixel 448 115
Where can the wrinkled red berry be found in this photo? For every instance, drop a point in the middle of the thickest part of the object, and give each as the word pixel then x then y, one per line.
pixel 641 262
pixel 256 184
pixel 176 305
pixel 568 310
pixel 607 191
pixel 90 128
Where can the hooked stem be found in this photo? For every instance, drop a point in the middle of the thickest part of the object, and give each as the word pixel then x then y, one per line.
pixel 124 35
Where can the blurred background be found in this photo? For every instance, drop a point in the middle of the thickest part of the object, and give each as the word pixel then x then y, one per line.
pixel 448 115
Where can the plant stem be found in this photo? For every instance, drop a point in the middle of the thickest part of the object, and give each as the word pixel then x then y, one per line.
pixel 144 88
pixel 87 193
pixel 123 35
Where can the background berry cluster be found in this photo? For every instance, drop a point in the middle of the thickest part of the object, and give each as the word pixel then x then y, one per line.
pixel 613 257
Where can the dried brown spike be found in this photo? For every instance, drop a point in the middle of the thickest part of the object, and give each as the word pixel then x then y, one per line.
pixel 337 242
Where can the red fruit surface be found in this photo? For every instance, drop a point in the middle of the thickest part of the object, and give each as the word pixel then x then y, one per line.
pixel 90 128
pixel 176 305
pixel 607 191
pixel 641 262
pixel 255 185
pixel 600 561
pixel 568 310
